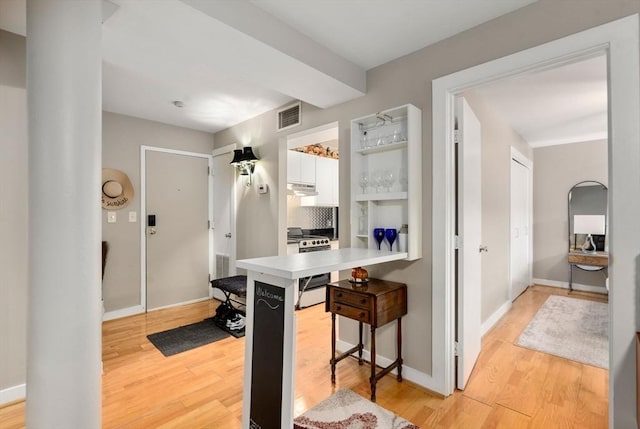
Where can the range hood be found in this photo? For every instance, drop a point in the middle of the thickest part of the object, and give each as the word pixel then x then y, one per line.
pixel 301 189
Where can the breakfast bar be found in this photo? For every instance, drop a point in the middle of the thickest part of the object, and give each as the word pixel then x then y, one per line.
pixel 268 391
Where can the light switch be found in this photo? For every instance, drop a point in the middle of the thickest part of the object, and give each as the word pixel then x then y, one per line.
pixel 133 217
pixel 111 217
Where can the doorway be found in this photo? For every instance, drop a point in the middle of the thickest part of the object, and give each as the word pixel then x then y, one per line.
pixel 176 212
pixel 620 43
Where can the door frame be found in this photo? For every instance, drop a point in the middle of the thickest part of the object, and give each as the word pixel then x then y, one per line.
pixel 619 40
pixel 234 207
pixel 143 214
pixel 519 157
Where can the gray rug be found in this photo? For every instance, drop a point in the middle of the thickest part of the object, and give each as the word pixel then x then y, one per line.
pixel 187 337
pixel 570 328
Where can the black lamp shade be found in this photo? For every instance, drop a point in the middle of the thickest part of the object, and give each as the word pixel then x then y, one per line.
pixel 247 155
pixel 237 157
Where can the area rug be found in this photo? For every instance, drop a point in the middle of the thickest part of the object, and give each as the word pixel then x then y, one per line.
pixel 187 337
pixel 570 328
pixel 347 410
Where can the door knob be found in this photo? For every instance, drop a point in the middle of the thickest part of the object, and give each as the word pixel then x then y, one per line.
pixel 152 231
pixel 228 235
pixel 483 249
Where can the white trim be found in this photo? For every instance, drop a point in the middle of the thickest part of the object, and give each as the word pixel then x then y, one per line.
pixel 493 319
pixel 143 213
pixel 576 286
pixel 123 312
pixel 411 374
pixel 179 304
pixel 620 40
pixel 12 394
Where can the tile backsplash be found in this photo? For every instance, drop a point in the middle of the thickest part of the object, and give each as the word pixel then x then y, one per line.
pixel 310 217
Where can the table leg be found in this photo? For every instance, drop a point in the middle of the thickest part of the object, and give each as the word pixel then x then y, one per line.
pixel 373 380
pixel 333 348
pixel 399 345
pixel 570 277
pixel 360 344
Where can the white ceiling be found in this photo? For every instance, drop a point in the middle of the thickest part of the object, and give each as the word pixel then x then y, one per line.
pixel 229 61
pixel 566 104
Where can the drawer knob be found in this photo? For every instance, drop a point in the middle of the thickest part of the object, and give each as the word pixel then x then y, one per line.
pixel 363 301
pixel 339 294
pixel 362 315
pixel 338 308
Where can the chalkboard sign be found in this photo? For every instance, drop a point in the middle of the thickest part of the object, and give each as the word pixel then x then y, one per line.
pixel 266 365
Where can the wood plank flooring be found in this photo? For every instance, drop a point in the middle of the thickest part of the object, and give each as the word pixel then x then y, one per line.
pixel 511 387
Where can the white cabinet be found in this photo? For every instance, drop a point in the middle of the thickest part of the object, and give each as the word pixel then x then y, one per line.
pixel 386 177
pixel 301 168
pixel 326 184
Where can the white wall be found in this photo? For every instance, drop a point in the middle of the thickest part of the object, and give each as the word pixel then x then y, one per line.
pixel 497 139
pixel 122 137
pixel 551 184
pixel 408 80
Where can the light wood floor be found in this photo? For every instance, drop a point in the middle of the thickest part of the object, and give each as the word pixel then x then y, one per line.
pixel 511 387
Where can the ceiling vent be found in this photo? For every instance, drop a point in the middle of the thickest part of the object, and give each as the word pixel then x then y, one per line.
pixel 289 116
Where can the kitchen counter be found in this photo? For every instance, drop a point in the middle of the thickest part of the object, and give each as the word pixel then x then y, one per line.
pixel 269 364
pixel 308 264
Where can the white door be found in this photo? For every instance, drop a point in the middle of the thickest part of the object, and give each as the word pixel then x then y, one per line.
pixel 520 228
pixel 223 214
pixel 177 246
pixel 469 231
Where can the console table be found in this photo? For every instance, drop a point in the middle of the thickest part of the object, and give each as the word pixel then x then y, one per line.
pixel 590 262
pixel 375 303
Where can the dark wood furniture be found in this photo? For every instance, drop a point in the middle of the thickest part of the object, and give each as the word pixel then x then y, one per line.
pixel 375 303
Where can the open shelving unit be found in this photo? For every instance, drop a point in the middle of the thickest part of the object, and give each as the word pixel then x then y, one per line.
pixel 387 141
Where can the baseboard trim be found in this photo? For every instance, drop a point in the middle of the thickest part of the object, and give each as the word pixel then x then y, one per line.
pixel 413 375
pixel 180 304
pixel 576 286
pixel 123 312
pixel 13 394
pixel 493 319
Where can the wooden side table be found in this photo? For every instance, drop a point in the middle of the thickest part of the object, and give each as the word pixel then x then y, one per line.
pixel 376 303
pixel 586 261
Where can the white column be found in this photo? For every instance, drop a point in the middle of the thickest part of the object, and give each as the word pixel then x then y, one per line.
pixel 64 114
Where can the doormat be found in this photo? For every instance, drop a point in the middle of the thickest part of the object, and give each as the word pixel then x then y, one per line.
pixel 178 340
pixel 345 410
pixel 570 328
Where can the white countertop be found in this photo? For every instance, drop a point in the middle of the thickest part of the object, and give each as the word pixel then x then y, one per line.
pixel 312 263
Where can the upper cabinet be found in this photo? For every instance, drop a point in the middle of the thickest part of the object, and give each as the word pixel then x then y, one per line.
pixel 326 184
pixel 301 168
pixel 386 178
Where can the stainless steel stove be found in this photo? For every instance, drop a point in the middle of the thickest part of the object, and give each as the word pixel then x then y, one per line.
pixel 311 290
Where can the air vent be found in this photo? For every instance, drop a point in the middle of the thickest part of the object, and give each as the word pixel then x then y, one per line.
pixel 289 117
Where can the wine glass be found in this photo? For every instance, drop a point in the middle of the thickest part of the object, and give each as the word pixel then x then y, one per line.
pixel 378 234
pixel 376 179
pixel 391 234
pixel 388 179
pixel 364 181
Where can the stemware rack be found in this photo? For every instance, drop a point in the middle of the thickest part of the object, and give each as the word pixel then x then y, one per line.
pixel 383 142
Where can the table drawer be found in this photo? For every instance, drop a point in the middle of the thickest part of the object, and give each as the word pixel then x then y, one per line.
pixel 351 298
pixel 354 313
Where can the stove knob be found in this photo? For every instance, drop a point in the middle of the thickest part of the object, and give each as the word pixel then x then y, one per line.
pixel 313 242
pixel 304 243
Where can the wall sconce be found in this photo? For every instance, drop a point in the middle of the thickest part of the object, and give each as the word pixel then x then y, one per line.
pixel 245 162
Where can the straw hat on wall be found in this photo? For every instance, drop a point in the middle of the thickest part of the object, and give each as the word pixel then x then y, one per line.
pixel 117 191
